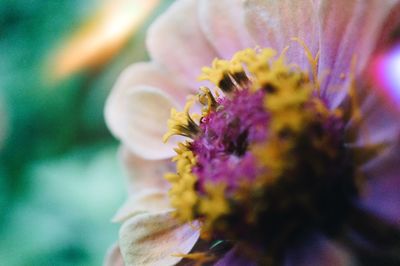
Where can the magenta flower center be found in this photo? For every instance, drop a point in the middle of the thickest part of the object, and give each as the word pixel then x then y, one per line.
pixel 222 146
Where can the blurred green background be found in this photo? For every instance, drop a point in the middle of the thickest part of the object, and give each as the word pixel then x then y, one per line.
pixel 60 179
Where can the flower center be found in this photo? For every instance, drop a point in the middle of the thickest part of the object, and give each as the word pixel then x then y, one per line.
pixel 265 161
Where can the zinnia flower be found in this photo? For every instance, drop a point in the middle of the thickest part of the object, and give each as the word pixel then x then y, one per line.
pixel 285 155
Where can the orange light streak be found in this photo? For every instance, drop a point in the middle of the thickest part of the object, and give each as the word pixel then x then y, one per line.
pixel 103 36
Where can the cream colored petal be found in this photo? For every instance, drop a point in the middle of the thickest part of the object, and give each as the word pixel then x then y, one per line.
pixel 138 117
pixel 274 23
pixel 147 201
pixel 144 174
pixel 224 26
pixel 176 41
pixel 146 184
pixel 349 29
pixel 154 239
pixel 120 111
pixel 114 257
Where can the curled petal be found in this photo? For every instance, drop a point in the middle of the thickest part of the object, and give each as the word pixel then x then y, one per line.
pixel 148 74
pixel 138 116
pixel 223 24
pixel 155 240
pixel 176 41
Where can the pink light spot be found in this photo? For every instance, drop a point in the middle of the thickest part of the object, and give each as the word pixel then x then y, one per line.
pixel 386 74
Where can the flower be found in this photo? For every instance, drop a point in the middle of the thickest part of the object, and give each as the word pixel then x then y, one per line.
pixel 293 159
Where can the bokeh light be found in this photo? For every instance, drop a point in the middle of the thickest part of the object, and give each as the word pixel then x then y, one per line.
pixel 102 36
pixel 386 74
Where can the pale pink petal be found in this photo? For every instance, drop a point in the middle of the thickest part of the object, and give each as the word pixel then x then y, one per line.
pixel 348 29
pixel 150 74
pixel 138 117
pixel 154 239
pixel 147 201
pixel 114 257
pixel 176 41
pixel 319 251
pixel 382 194
pixel 125 112
pixel 223 24
pixel 274 24
pixel 144 174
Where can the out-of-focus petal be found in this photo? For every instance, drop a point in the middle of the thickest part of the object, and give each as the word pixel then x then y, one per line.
pixel 274 24
pixel 138 118
pixel 176 41
pixel 380 123
pixel 144 174
pixel 389 34
pixel 381 195
pixel 146 184
pixel 319 251
pixel 234 258
pixel 153 239
pixel 114 257
pixel 349 29
pixel 224 26
pixel 146 201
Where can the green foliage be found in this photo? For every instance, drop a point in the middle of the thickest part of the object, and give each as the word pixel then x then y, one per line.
pixel 60 181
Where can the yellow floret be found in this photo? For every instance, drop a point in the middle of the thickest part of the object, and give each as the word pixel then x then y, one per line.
pixel 214 205
pixel 182 193
pixel 182 123
pixel 219 70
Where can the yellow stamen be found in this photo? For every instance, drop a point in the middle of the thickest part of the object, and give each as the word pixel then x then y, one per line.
pixel 207 99
pixel 219 70
pixel 182 123
pixel 313 61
